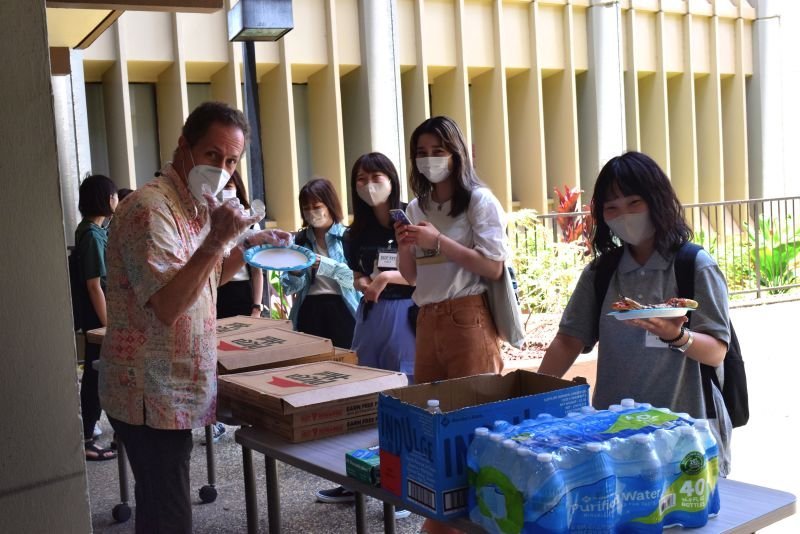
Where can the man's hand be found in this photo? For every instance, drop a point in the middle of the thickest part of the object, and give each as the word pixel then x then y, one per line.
pixel 279 238
pixel 228 221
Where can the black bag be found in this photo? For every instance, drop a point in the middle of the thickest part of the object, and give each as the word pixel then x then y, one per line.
pixel 78 291
pixel 734 388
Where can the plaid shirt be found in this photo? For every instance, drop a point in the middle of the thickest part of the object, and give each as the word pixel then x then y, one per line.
pixel 150 373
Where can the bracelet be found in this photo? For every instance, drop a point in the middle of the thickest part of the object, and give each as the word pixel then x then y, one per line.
pixel 676 338
pixel 438 243
pixel 685 346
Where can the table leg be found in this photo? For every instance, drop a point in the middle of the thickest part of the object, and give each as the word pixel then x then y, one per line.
pixel 388 518
pixel 361 514
pixel 250 496
pixel 273 496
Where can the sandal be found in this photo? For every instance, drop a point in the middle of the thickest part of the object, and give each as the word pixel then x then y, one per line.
pixel 95 453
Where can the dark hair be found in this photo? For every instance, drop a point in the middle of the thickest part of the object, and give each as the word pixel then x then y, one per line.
pixel 363 214
pixel 123 192
pixel 447 130
pixel 208 113
pixel 634 173
pixel 321 190
pixel 241 193
pixel 94 196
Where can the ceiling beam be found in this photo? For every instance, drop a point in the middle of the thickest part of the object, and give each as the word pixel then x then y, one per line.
pixel 98 30
pixel 195 6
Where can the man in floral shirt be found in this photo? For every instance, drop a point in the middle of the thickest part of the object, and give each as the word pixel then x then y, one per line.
pixel 167 253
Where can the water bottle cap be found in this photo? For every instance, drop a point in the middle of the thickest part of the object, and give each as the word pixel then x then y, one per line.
pixel 574 414
pixel 594 446
pixel 544 457
pixel 544 416
pixel 642 438
pixel 495 436
pixel 522 451
pixel 509 444
pixel 628 403
pixel 616 408
pixel 482 431
pixel 645 405
pixel 702 423
pixel 588 410
pixel 433 403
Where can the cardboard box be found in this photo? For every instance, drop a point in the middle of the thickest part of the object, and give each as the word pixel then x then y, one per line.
pixel 229 325
pixel 244 323
pixel 308 401
pixel 364 465
pixel 267 348
pixel 423 455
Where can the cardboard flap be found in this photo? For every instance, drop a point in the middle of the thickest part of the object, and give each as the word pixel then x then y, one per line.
pixel 249 347
pixel 300 386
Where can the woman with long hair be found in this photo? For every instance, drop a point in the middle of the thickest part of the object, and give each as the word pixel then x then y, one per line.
pixel 325 301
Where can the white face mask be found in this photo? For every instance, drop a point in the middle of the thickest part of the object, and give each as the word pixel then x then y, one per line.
pixel 228 194
pixel 633 228
pixel 375 193
pixel 214 177
pixel 434 169
pixel 319 218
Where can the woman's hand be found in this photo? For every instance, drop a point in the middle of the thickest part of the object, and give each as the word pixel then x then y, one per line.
pixel 665 328
pixel 423 235
pixel 373 291
pixel 401 235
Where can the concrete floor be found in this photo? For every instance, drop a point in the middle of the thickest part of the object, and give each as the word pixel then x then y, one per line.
pixel 763 451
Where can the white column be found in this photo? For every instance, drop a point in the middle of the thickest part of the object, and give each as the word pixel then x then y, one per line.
pixel 765 105
pixel 606 119
pixel 380 64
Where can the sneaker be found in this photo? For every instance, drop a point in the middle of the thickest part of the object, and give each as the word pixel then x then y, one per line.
pixel 401 513
pixel 336 495
pixel 97 430
pixel 217 431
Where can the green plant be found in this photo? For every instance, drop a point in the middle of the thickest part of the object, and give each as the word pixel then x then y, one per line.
pixel 546 271
pixel 279 303
pixel 775 257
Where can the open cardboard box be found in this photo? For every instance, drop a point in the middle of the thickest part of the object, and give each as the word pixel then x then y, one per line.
pixel 253 349
pixel 423 455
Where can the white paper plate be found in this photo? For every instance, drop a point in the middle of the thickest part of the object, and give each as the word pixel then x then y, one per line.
pixel 291 258
pixel 649 313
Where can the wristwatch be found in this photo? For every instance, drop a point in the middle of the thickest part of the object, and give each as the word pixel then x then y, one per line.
pixel 259 307
pixel 685 346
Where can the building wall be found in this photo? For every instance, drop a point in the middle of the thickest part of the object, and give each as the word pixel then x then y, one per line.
pixel 42 471
pixel 518 76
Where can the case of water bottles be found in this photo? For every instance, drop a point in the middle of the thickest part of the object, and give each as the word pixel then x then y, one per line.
pixel 425 430
pixel 631 468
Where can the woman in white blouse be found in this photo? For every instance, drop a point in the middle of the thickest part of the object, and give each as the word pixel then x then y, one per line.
pixel 455 243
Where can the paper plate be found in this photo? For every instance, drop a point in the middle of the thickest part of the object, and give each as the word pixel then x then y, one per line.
pixel 272 258
pixel 649 313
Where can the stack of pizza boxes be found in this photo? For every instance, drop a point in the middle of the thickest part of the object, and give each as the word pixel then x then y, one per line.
pixel 308 401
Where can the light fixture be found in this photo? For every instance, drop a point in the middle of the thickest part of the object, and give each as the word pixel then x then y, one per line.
pixel 260 20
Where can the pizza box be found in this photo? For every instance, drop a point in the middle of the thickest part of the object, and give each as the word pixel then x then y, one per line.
pixel 308 387
pixel 229 325
pixel 267 348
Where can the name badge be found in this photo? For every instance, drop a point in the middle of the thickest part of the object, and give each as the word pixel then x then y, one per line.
pixel 387 259
pixel 651 341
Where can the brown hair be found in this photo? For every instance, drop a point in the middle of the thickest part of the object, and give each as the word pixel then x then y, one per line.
pixel 321 190
pixel 208 113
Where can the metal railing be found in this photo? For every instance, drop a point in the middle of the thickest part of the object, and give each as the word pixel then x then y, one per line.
pixel 756 243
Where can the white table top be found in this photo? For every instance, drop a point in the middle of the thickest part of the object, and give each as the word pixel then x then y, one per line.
pixel 746 508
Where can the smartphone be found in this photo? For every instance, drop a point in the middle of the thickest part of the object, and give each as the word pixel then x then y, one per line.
pixel 399 216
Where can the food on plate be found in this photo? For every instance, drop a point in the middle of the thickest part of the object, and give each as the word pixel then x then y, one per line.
pixel 626 304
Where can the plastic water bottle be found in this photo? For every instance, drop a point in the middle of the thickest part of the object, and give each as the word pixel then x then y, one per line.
pixel 688 476
pixel 592 483
pixel 479 442
pixel 433 406
pixel 665 440
pixel 640 481
pixel 547 505
pixel 712 457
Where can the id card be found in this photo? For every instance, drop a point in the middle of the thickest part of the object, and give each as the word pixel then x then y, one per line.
pixel 651 341
pixel 387 259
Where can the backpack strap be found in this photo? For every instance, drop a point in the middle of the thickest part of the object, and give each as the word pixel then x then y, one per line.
pixel 684 269
pixel 604 267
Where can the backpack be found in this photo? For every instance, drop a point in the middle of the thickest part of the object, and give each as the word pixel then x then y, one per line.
pixel 81 305
pixel 734 389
